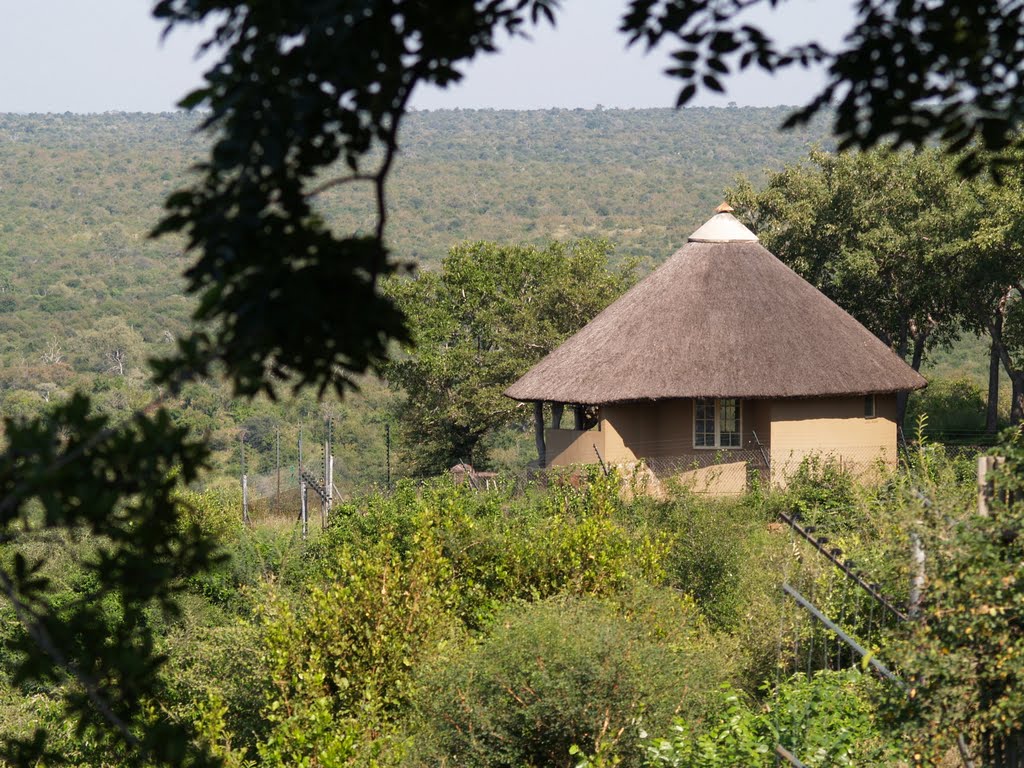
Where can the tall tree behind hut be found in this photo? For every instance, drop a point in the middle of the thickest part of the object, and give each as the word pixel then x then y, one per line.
pixel 883 234
pixel 480 322
pixel 991 279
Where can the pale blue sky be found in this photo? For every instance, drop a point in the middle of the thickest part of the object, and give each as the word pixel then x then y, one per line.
pixel 81 56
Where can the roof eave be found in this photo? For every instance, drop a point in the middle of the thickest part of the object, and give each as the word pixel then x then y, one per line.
pixel 535 397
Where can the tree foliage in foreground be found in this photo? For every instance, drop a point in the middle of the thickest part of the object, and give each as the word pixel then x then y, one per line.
pixel 299 86
pixel 73 472
pixel 964 657
pixel 481 322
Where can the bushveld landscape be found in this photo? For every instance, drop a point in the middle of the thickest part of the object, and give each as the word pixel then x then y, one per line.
pixel 558 619
pixel 86 296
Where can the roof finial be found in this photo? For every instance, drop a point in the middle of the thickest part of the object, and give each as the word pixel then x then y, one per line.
pixel 724 208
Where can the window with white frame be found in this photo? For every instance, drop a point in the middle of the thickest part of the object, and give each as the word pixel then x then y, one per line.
pixel 717 423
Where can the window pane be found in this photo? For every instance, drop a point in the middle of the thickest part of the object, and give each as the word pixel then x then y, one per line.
pixel 704 423
pixel 729 423
pixel 869 406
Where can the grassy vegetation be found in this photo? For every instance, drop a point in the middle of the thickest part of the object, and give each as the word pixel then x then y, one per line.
pixel 565 625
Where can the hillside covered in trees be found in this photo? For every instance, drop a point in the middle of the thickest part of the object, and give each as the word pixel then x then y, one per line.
pixel 79 195
pixel 86 296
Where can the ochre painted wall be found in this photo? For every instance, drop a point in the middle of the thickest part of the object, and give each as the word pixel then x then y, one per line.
pixel 664 428
pixel 661 432
pixel 566 446
pixel 833 428
pixel 728 479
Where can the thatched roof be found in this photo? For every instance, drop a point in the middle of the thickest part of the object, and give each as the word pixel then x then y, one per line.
pixel 721 318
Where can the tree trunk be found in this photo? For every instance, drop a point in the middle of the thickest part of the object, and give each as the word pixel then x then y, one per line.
pixel 918 356
pixel 901 346
pixel 901 409
pixel 1016 376
pixel 992 407
pixel 901 397
pixel 915 363
pixel 1017 398
pixel 556 415
pixel 538 432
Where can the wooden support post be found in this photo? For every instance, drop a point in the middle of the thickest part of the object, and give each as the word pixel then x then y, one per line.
pixel 788 756
pixel 556 415
pixel 965 753
pixel 578 417
pixel 538 430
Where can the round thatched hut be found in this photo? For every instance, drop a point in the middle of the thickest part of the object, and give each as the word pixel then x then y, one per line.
pixel 721 361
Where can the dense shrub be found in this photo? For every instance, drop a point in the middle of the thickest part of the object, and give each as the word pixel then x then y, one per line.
pixel 954 409
pixel 565 540
pixel 715 546
pixel 341 659
pixel 212 659
pixel 964 657
pixel 827 720
pixel 822 493
pixel 565 672
pixel 439 624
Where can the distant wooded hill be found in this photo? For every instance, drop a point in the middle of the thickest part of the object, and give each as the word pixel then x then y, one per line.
pixel 86 296
pixel 79 193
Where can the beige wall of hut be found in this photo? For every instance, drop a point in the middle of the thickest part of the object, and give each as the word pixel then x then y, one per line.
pixel 833 428
pixel 660 434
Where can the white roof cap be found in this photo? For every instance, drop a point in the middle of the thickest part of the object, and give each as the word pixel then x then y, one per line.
pixel 723 227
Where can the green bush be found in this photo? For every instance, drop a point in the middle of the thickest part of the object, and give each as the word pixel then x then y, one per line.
pixel 214 659
pixel 341 659
pixel 954 408
pixel 964 657
pixel 570 672
pixel 565 539
pixel 715 546
pixel 822 493
pixel 826 720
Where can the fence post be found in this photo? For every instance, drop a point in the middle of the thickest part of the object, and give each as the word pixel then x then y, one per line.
pixel 985 490
pixel 329 467
pixel 330 483
pixel 917 575
pixel 303 507
pixel 387 443
pixel 245 483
